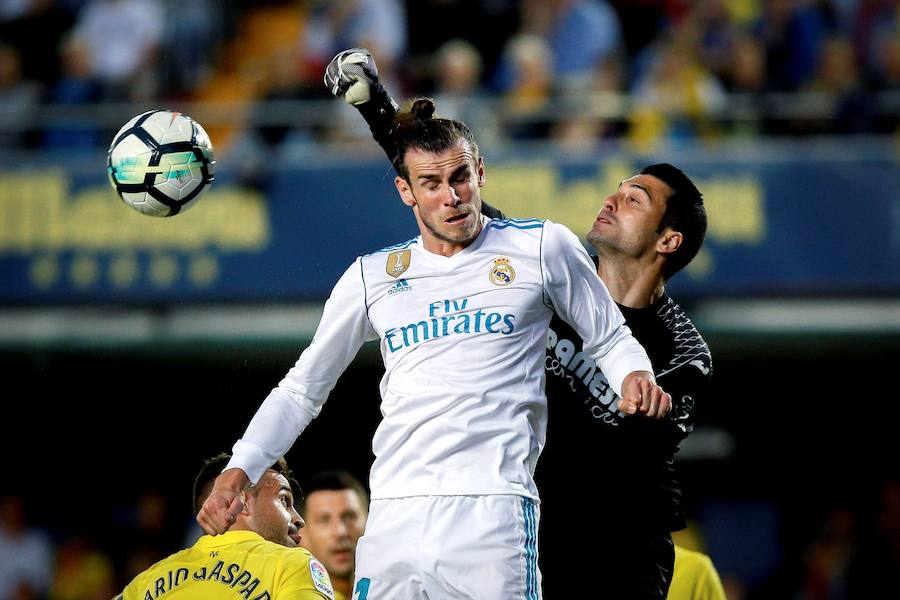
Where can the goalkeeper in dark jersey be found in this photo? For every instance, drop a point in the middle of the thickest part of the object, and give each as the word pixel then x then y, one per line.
pixel 613 535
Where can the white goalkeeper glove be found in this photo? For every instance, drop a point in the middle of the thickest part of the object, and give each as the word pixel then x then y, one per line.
pixel 352 75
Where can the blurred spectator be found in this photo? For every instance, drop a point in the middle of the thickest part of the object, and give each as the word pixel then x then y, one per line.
pixel 642 21
pixel 838 78
pixel 18 100
pixel 884 57
pixel 335 25
pixel 584 35
pixel 678 97
pixel 876 20
pixel 456 71
pixel 276 124
pixel 529 60
pixel 75 87
pixel 746 72
pixel 141 534
pixel 190 35
pixel 456 74
pixel 82 572
pixel 876 570
pixel 791 31
pixel 25 553
pixel 829 558
pixel 289 77
pixel 122 38
pixel 745 77
pixel 486 24
pixel 12 9
pixel 37 34
pixel 716 32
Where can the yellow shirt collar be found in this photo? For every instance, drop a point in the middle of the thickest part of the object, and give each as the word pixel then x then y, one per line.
pixel 229 537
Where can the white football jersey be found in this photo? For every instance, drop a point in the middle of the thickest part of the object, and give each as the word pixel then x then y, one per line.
pixel 463 340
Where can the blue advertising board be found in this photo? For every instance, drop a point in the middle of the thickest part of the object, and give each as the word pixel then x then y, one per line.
pixel 779 223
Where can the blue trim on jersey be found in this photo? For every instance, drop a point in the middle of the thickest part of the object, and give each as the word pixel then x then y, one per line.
pixel 541 266
pixel 517 223
pixel 400 246
pixel 530 549
pixel 362 276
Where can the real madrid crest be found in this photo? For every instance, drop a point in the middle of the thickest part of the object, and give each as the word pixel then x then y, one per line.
pixel 398 262
pixel 502 272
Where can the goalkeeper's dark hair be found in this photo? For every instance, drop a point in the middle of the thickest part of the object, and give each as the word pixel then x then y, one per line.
pixel 415 126
pixel 685 214
pixel 335 481
pixel 212 467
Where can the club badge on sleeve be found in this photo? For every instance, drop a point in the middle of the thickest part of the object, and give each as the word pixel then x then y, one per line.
pixel 320 578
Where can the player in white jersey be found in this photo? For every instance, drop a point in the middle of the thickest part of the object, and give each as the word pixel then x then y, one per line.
pixel 462 314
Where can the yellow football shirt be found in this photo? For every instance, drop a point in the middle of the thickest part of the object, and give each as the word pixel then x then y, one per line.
pixel 234 565
pixel 694 577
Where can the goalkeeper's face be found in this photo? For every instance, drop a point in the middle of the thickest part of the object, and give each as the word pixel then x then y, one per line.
pixel 269 510
pixel 444 193
pixel 629 222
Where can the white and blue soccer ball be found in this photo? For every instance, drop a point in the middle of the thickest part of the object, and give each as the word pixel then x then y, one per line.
pixel 160 162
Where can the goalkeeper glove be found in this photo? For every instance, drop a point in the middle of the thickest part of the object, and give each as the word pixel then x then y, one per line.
pixel 352 75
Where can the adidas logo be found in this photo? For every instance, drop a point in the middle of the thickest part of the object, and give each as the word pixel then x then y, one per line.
pixel 400 286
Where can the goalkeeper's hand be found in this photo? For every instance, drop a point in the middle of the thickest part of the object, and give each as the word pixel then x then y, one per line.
pixel 352 75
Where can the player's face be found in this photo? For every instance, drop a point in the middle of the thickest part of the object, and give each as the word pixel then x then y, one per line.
pixel 629 220
pixel 444 193
pixel 272 512
pixel 335 520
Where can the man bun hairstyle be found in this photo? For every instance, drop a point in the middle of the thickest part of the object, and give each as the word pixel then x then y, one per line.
pixel 415 126
pixel 685 214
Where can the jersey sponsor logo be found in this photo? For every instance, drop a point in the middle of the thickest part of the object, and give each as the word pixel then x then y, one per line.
pixel 502 273
pixel 398 262
pixel 320 578
pixel 446 318
pixel 400 286
pixel 579 372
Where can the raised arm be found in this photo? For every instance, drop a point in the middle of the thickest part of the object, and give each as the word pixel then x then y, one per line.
pixel 296 401
pixel 573 290
pixel 353 76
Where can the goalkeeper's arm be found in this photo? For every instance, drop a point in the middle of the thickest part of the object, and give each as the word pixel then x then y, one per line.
pixel 353 76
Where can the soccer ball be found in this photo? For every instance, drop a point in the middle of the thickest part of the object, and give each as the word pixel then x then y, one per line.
pixel 160 162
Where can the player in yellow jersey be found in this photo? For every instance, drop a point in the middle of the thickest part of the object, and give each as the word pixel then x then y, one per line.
pixel 695 577
pixel 257 559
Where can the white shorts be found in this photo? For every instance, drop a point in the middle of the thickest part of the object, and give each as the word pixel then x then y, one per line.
pixel 442 547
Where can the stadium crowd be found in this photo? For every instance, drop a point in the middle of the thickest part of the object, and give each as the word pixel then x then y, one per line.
pixel 576 71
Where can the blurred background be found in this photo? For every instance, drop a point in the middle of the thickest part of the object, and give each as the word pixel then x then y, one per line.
pixel 131 347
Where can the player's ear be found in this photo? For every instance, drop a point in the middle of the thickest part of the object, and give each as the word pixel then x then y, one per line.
pixel 246 500
pixel 405 191
pixel 669 241
pixel 480 171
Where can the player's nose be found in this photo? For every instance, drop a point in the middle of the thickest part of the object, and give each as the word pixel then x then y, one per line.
pixel 451 198
pixel 610 203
